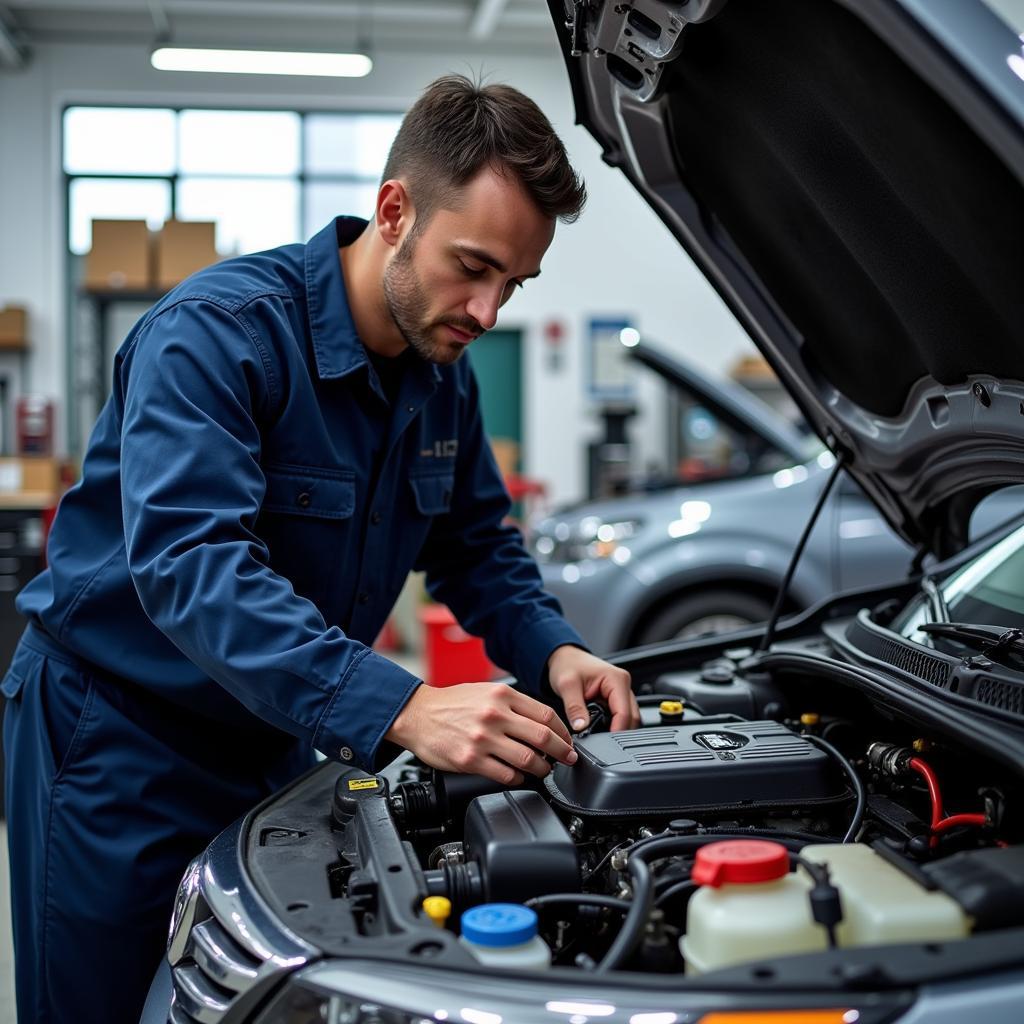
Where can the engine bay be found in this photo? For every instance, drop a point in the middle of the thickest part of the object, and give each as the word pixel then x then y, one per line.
pixel 638 857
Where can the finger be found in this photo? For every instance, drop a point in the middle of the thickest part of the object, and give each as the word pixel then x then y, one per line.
pixel 541 738
pixel 492 768
pixel 519 757
pixel 526 706
pixel 621 703
pixel 570 689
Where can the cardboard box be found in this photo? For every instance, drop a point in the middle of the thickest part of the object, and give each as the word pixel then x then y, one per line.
pixel 13 327
pixel 38 477
pixel 120 258
pixel 182 248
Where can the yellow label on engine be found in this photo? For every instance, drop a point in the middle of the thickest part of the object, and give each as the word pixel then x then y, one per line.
pixel 363 784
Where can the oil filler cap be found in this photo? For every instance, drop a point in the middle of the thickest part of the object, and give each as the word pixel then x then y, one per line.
pixel 740 860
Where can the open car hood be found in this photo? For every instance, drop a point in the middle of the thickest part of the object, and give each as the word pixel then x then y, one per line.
pixel 849 177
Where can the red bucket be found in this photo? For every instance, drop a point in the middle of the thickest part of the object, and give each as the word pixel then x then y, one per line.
pixel 451 655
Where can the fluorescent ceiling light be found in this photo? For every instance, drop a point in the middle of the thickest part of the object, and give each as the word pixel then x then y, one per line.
pixel 262 62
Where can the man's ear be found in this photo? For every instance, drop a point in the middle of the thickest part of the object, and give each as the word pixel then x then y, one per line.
pixel 395 213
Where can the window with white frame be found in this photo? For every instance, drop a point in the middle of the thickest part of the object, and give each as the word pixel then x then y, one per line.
pixel 265 177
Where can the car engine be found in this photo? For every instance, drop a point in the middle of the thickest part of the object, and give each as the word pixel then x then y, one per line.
pixel 612 854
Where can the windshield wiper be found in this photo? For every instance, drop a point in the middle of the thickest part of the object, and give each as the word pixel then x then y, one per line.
pixel 993 640
pixel 935 598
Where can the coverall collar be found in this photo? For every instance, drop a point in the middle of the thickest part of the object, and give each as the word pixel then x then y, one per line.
pixel 338 348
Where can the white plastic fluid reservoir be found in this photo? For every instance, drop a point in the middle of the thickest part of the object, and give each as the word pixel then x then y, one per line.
pixel 881 904
pixel 749 906
pixel 504 935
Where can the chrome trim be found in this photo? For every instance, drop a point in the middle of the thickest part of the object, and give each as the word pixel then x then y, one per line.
pixel 225 942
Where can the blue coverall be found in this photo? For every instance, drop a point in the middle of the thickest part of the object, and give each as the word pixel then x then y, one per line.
pixel 249 508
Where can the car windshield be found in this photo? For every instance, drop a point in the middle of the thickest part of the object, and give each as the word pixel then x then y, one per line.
pixel 988 591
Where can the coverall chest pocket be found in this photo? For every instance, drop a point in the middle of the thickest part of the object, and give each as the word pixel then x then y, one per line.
pixel 431 496
pixel 306 521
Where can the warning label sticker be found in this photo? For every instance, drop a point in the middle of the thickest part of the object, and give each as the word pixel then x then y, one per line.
pixel 363 784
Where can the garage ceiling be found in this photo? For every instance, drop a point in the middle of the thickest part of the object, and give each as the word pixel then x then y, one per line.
pixel 471 26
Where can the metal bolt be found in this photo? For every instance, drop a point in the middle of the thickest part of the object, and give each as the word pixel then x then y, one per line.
pixel 619 860
pixel 981 394
pixel 575 827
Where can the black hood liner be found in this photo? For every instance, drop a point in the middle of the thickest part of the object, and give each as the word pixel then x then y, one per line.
pixel 904 235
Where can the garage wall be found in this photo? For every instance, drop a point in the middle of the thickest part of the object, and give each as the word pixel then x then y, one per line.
pixel 618 260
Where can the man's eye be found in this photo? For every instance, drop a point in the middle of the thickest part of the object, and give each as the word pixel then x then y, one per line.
pixel 470 271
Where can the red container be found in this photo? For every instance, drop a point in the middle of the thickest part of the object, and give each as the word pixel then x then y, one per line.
pixel 450 654
pixel 34 416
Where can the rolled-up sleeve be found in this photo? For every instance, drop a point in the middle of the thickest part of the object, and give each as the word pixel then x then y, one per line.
pixel 197 383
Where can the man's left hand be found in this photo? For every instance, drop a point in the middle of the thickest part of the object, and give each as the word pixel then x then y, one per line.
pixel 577 676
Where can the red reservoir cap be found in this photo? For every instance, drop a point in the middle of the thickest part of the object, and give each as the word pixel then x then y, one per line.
pixel 740 860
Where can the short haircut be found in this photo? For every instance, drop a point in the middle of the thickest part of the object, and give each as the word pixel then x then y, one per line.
pixel 457 128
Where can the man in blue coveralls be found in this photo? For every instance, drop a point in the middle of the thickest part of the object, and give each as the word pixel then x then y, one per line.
pixel 288 434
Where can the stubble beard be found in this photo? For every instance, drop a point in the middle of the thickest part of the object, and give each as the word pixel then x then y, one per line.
pixel 407 305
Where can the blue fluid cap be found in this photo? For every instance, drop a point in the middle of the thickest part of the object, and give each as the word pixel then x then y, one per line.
pixel 499 924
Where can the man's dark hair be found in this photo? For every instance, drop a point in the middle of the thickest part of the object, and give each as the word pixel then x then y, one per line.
pixel 457 128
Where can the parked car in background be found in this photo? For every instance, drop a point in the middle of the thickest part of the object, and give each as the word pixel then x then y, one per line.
pixel 709 557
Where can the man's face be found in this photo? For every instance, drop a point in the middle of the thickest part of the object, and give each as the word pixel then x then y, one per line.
pixel 447 280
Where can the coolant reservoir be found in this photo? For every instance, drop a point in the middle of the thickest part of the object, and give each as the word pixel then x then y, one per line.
pixel 749 906
pixel 504 935
pixel 881 904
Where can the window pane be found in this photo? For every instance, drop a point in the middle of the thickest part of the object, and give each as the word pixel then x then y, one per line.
pixel 250 215
pixel 325 200
pixel 239 142
pixel 118 140
pixel 106 199
pixel 355 144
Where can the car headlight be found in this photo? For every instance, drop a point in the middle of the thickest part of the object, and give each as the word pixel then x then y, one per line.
pixel 591 537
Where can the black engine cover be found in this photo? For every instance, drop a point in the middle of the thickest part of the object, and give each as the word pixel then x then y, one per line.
pixel 713 766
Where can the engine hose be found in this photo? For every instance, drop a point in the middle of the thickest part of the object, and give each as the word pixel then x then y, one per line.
pixel 588 899
pixel 643 892
pixel 858 786
pixel 640 856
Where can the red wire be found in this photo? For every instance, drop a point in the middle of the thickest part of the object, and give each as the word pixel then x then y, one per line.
pixel 959 819
pixel 921 768
pixel 940 823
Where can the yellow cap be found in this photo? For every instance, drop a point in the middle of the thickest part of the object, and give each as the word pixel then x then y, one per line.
pixel 438 909
pixel 671 707
pixel 810 718
pixel 920 746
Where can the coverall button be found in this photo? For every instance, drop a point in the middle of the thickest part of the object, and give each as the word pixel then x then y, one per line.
pixel 346 754
pixel 364 598
pixel 410 408
pixel 304 499
pixel 376 518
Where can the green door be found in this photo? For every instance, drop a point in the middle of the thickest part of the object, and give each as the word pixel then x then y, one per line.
pixel 497 359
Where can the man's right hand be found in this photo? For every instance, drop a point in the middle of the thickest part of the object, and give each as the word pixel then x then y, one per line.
pixel 487 729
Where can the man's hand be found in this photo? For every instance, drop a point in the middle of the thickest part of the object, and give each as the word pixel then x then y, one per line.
pixel 577 676
pixel 482 728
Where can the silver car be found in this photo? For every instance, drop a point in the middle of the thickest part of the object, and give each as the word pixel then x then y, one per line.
pixel 709 557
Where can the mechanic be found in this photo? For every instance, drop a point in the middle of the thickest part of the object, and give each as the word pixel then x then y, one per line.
pixel 289 433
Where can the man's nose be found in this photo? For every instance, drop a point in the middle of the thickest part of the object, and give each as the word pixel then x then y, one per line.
pixel 483 308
